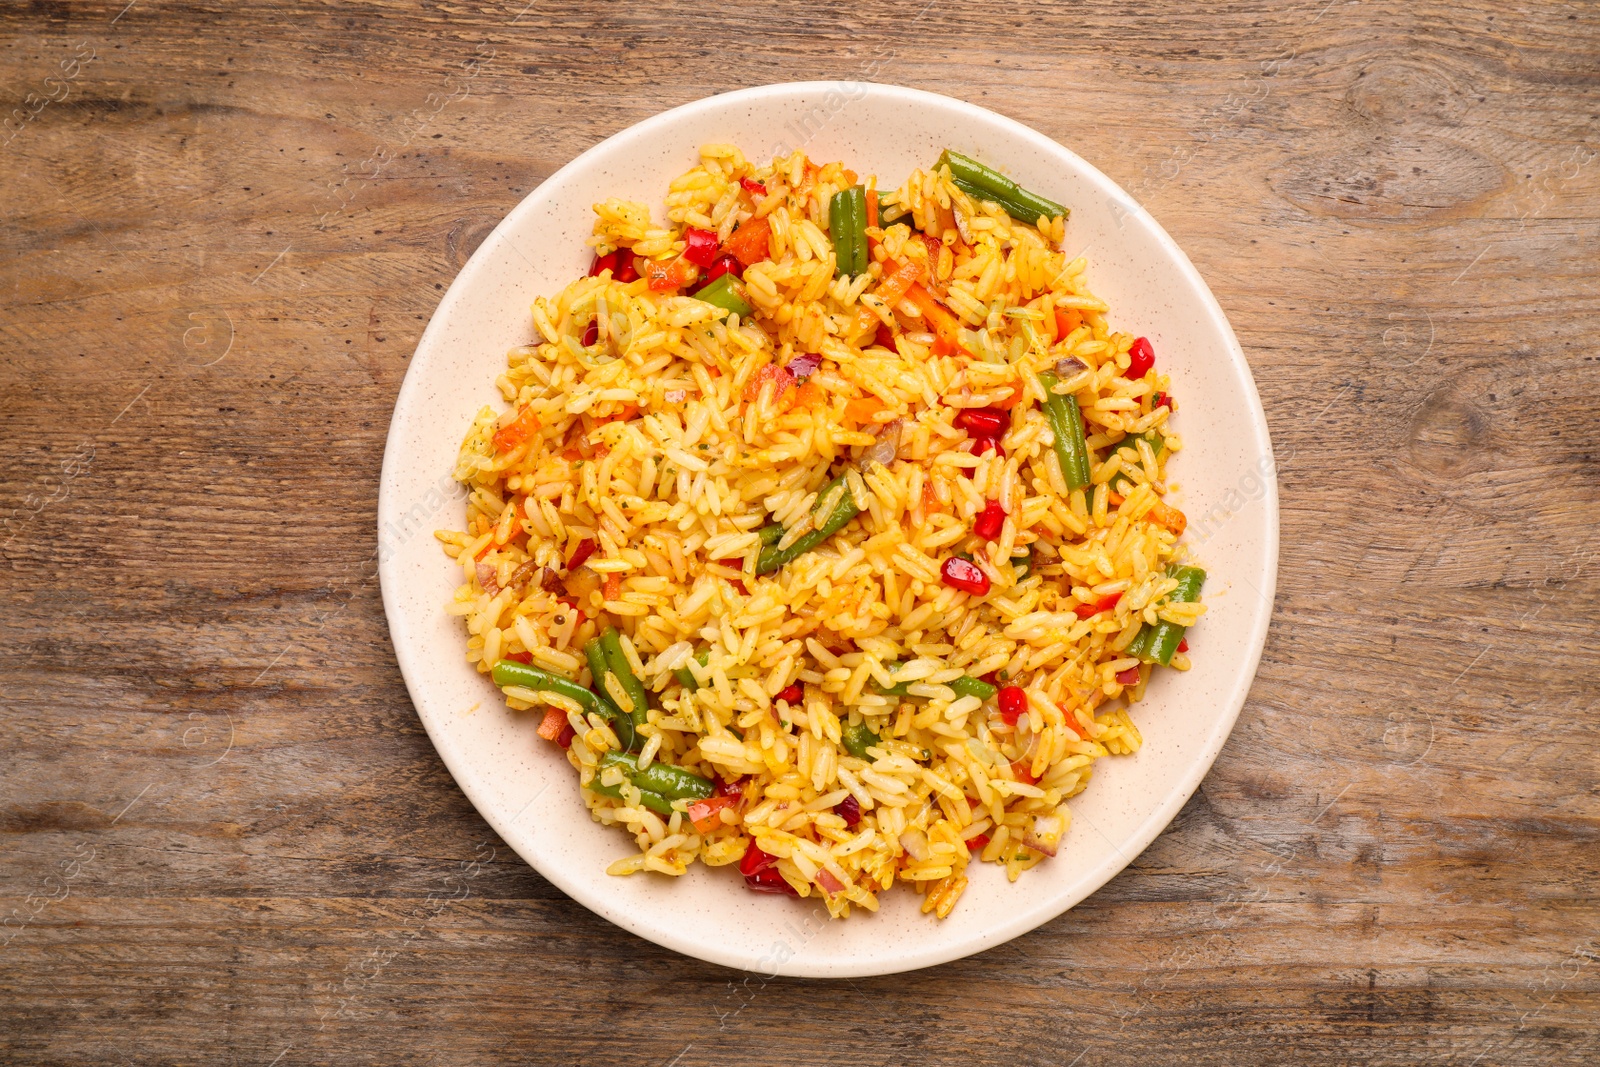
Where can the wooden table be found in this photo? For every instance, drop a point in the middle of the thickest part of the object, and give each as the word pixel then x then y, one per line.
pixel 226 838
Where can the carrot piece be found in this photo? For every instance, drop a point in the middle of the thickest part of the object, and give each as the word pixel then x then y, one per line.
pixel 705 814
pixel 1067 320
pixel 518 430
pixel 861 409
pixel 946 327
pixel 872 208
pixel 555 720
pixel 751 242
pixel 611 588
pixel 891 290
pixel 809 395
pixel 1170 517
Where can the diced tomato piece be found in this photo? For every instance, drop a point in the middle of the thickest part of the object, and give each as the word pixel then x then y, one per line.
pixel 1141 357
pixel 521 657
pixel 753 187
pixel 626 271
pixel 977 844
pixel 733 787
pixel 990 521
pixel 605 262
pixel 554 720
pixel 965 575
pixel 580 555
pixel 1161 400
pixel 1183 644
pixel 515 432
pixel 791 693
pixel 1022 770
pixel 809 395
pixel 1013 703
pixel 707 814
pixel 1128 677
pixel 738 583
pixel 751 242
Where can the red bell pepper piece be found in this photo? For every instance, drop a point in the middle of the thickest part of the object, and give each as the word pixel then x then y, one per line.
pixel 1141 357
pixel 1013 703
pixel 700 246
pixel 965 575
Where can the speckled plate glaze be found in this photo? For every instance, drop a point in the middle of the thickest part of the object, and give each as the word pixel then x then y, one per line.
pixel 525 788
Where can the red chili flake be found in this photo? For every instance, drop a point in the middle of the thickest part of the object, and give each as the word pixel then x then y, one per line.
pixel 581 554
pixel 791 693
pixel 989 521
pixel 1128 677
pixel 983 422
pixel 700 246
pixel 753 187
pixel 1141 357
pixel 605 262
pixel 1183 644
pixel 848 809
pixel 1013 703
pixel 626 271
pixel 965 575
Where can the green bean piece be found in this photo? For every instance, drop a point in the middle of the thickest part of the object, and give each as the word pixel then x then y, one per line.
pixel 652 800
pixel 968 686
pixel 847 225
pixel 857 739
pixel 901 689
pixel 985 183
pixel 1066 424
pixel 1165 636
pixel 617 664
pixel 892 215
pixel 1023 563
pixel 686 677
pixel 772 557
pixel 674 783
pixel 622 724
pixel 510 672
pixel 1139 647
pixel 1130 443
pixel 771 533
pixel 728 293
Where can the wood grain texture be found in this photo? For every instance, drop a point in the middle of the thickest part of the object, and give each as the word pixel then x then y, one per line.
pixel 225 836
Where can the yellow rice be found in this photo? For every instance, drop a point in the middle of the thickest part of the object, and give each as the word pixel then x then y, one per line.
pixel 661 459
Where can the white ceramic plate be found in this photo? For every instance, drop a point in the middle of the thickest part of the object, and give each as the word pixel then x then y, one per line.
pixel 525 788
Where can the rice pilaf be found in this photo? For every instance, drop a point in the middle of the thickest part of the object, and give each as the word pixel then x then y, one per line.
pixel 796 563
